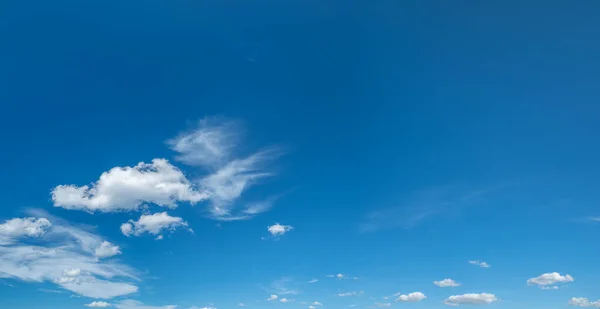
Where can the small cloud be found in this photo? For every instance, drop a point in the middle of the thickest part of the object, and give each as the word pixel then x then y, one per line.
pixel 383 305
pixel 446 283
pixel 354 293
pixel 286 300
pixel 272 297
pixel 411 297
pixel 553 287
pixel 153 224
pixel 584 302
pixel 316 303
pixel 313 281
pixel 98 304
pixel 241 305
pixel 481 264
pixel 277 229
pixel 550 279
pixel 471 299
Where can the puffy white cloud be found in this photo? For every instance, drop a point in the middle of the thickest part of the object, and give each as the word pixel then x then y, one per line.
pixel 16 228
pixel 550 279
pixel 213 145
pixel 481 264
pixel 584 302
pixel 471 299
pixel 316 303
pixel 272 297
pixel 278 229
pixel 153 224
pixel 411 297
pixel 133 304
pixel 66 256
pixel 286 300
pixel 354 293
pixel 311 307
pixel 106 249
pixel 127 188
pixel 446 283
pixel 98 304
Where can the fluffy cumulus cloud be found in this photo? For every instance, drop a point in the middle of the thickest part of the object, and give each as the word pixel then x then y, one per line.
pixel 411 297
pixel 70 257
pixel 153 224
pixel 481 264
pixel 106 249
pixel 133 304
pixel 272 297
pixel 98 304
pixel 584 302
pixel 316 303
pixel 14 229
pixel 128 188
pixel 213 145
pixel 278 229
pixel 446 283
pixel 471 299
pixel 550 279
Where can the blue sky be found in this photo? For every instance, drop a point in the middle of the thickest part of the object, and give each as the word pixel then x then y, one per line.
pixel 299 154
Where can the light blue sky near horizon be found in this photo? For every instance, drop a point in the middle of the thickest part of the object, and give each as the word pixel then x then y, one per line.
pixel 416 136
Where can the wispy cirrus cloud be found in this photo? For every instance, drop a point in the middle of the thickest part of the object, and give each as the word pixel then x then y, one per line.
pixel 214 145
pixel 70 257
pixel 479 263
pixel 422 205
pixel 133 304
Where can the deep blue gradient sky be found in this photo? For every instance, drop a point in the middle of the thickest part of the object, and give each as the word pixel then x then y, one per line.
pixel 414 136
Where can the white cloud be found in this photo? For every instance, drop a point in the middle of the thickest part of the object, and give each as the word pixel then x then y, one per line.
pixel 278 229
pixel 272 297
pixel 411 297
pixel 12 230
pixel 127 188
pixel 106 249
pixel 153 224
pixel 241 305
pixel 98 304
pixel 66 256
pixel 550 279
pixel 584 302
pixel 354 293
pixel 286 300
pixel 481 264
pixel 552 287
pixel 383 305
pixel 311 307
pixel 316 303
pixel 213 145
pixel 132 304
pixel 313 281
pixel 446 283
pixel 471 299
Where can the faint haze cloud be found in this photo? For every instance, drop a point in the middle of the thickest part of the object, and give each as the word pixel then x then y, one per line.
pixel 425 204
